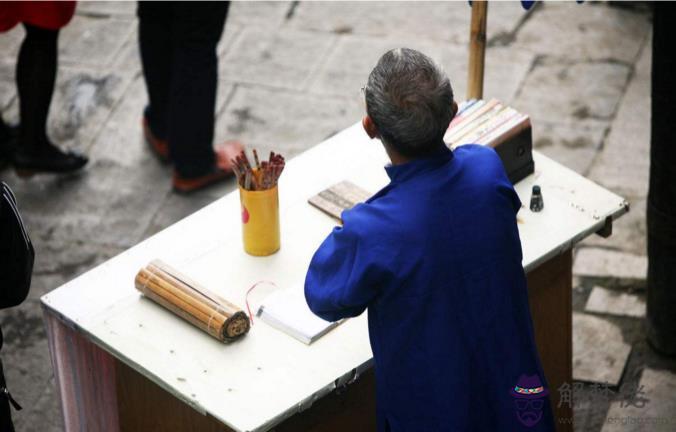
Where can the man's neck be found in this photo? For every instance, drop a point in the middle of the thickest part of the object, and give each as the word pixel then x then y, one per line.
pixel 398 159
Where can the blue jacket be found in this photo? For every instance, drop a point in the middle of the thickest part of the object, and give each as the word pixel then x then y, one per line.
pixel 435 256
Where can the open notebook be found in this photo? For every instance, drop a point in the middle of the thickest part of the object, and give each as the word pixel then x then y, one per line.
pixel 287 311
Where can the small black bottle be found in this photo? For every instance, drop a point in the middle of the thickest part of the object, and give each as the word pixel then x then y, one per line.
pixel 536 203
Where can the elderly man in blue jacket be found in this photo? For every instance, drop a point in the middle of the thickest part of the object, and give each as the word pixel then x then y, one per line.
pixel 435 256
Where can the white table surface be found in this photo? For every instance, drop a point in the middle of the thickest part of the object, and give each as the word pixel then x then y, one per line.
pixel 268 376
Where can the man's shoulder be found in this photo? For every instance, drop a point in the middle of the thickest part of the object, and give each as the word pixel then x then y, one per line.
pixel 474 151
pixel 482 161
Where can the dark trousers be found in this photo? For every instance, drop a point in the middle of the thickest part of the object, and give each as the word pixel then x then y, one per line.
pixel 180 65
pixel 35 76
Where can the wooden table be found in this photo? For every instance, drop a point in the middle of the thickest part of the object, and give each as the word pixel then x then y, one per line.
pixel 123 363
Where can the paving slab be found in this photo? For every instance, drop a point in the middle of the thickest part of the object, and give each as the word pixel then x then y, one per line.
pixel 10 42
pixel 128 59
pixel 58 262
pixel 264 15
pixel 447 21
pixel 599 351
pixel 283 58
pixel 120 142
pixel 593 92
pixel 45 412
pixel 25 354
pixel 604 263
pixel 614 302
pixel 572 146
pixel 7 83
pixel 83 100
pixel 505 73
pixel 587 31
pixel 282 121
pixel 176 207
pixel 348 65
pixel 434 20
pixel 649 407
pixel 231 31
pixel 105 204
pixel 624 164
pixel 94 42
pixel 105 9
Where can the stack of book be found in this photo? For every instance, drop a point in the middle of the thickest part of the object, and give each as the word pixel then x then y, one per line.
pixel 497 125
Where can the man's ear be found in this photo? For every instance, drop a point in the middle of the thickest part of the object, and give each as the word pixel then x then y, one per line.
pixel 455 109
pixel 369 127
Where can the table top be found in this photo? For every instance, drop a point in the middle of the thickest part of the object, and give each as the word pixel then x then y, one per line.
pixel 258 381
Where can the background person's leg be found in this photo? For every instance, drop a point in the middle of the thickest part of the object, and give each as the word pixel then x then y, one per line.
pixel 197 30
pixel 155 43
pixel 35 76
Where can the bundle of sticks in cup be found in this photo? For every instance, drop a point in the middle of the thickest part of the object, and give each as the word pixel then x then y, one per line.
pixel 264 175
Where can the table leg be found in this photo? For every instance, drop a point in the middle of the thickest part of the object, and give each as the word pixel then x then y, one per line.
pixel 551 304
pixel 85 379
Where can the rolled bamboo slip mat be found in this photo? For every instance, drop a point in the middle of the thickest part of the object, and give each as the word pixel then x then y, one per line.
pixel 191 301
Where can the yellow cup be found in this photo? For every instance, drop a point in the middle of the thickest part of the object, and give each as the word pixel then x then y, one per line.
pixel 260 221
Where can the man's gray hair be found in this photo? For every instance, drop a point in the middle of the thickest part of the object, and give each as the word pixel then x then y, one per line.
pixel 410 100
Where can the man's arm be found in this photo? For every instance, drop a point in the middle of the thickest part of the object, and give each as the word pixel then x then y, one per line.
pixel 343 277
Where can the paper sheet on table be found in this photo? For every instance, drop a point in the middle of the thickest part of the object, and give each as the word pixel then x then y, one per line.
pixel 288 312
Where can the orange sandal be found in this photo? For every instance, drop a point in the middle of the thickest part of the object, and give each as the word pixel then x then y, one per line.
pixel 221 170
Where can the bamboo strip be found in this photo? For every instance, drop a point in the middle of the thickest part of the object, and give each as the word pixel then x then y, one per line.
pixel 211 311
pixel 230 308
pixel 220 326
pixel 191 301
pixel 183 311
pixel 158 283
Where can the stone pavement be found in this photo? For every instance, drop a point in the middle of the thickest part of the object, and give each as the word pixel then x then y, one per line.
pixel 290 76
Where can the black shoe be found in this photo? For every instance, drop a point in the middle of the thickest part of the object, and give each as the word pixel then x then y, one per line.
pixel 46 159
